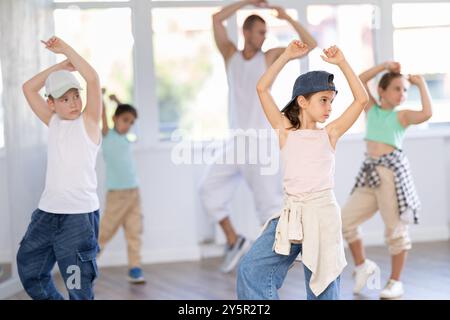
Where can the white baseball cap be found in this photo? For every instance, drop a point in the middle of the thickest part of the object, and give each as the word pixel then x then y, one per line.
pixel 59 82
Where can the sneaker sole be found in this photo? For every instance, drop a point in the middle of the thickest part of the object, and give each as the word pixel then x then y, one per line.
pixel 136 281
pixel 237 257
pixel 371 271
pixel 392 298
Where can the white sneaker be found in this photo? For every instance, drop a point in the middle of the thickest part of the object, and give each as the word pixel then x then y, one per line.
pixel 392 290
pixel 362 274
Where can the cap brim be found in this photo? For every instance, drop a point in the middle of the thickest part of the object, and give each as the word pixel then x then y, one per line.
pixel 60 92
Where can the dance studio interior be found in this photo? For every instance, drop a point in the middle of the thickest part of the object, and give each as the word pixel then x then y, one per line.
pixel 159 201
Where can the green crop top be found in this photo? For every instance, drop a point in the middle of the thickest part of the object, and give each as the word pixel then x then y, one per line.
pixel 384 126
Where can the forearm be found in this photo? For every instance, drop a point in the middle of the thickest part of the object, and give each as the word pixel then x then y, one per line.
pixel 266 81
pixel 82 66
pixel 372 73
pixel 304 34
pixel 425 99
pixel 356 86
pixel 228 11
pixel 36 83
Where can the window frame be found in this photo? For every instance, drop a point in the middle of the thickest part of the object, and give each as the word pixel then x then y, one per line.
pixel 144 76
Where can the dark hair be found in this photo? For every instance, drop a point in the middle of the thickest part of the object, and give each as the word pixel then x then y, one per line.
pixel 387 78
pixel 250 21
pixel 124 108
pixel 293 112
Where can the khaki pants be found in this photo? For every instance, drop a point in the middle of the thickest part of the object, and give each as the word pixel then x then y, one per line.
pixel 123 209
pixel 365 202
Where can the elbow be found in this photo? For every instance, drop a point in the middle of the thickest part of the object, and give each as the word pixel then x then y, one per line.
pixel 428 115
pixel 363 100
pixel 26 87
pixel 216 18
pixel 260 88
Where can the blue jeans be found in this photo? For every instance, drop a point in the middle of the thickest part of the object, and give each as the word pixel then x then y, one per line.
pixel 68 239
pixel 261 271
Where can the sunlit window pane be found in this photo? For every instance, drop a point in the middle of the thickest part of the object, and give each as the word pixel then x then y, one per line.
pixel 190 73
pixel 104 38
pixel 279 34
pixel 350 27
pixel 420 14
pixel 417 23
pixel 434 65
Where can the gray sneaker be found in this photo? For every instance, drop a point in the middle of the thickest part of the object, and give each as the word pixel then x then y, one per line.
pixel 234 254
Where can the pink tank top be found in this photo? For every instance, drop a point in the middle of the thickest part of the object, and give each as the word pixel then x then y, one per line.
pixel 309 162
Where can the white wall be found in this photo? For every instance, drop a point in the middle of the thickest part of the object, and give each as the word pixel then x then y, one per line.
pixel 175 222
pixel 5 222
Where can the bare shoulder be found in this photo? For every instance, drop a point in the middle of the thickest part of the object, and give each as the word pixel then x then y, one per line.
pixel 92 128
pixel 284 131
pixel 333 134
pixel 402 117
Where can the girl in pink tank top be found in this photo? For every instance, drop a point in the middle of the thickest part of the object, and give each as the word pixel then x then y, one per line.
pixel 310 221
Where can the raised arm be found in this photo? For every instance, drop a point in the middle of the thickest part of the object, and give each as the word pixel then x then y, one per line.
pixel 226 47
pixel 295 50
pixel 32 87
pixel 368 75
pixel 408 117
pixel 360 98
pixel 93 111
pixel 114 98
pixel 105 128
pixel 304 35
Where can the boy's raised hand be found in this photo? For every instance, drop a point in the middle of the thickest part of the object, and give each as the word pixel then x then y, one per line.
pixel 333 55
pixel 296 49
pixel 55 45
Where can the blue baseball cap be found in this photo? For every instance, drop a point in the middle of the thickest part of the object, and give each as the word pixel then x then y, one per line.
pixel 311 82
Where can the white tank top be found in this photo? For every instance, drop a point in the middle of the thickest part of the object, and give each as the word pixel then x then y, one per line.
pixel 309 162
pixel 71 181
pixel 244 107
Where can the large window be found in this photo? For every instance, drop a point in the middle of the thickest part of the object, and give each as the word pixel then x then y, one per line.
pixel 279 34
pixel 350 27
pixel 190 87
pixel 421 45
pixel 104 38
pixel 190 74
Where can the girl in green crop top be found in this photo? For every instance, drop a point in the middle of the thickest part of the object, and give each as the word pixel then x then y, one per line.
pixel 385 126
pixel 384 136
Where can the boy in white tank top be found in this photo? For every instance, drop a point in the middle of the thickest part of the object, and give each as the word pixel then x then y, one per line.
pixel 64 228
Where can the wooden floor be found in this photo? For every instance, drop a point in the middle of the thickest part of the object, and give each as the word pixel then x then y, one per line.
pixel 426 276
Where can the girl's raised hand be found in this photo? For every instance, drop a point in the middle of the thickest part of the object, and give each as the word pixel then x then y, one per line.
pixel 393 66
pixel 416 79
pixel 296 49
pixel 333 55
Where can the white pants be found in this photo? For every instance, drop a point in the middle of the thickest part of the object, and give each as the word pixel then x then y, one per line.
pixel 221 180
